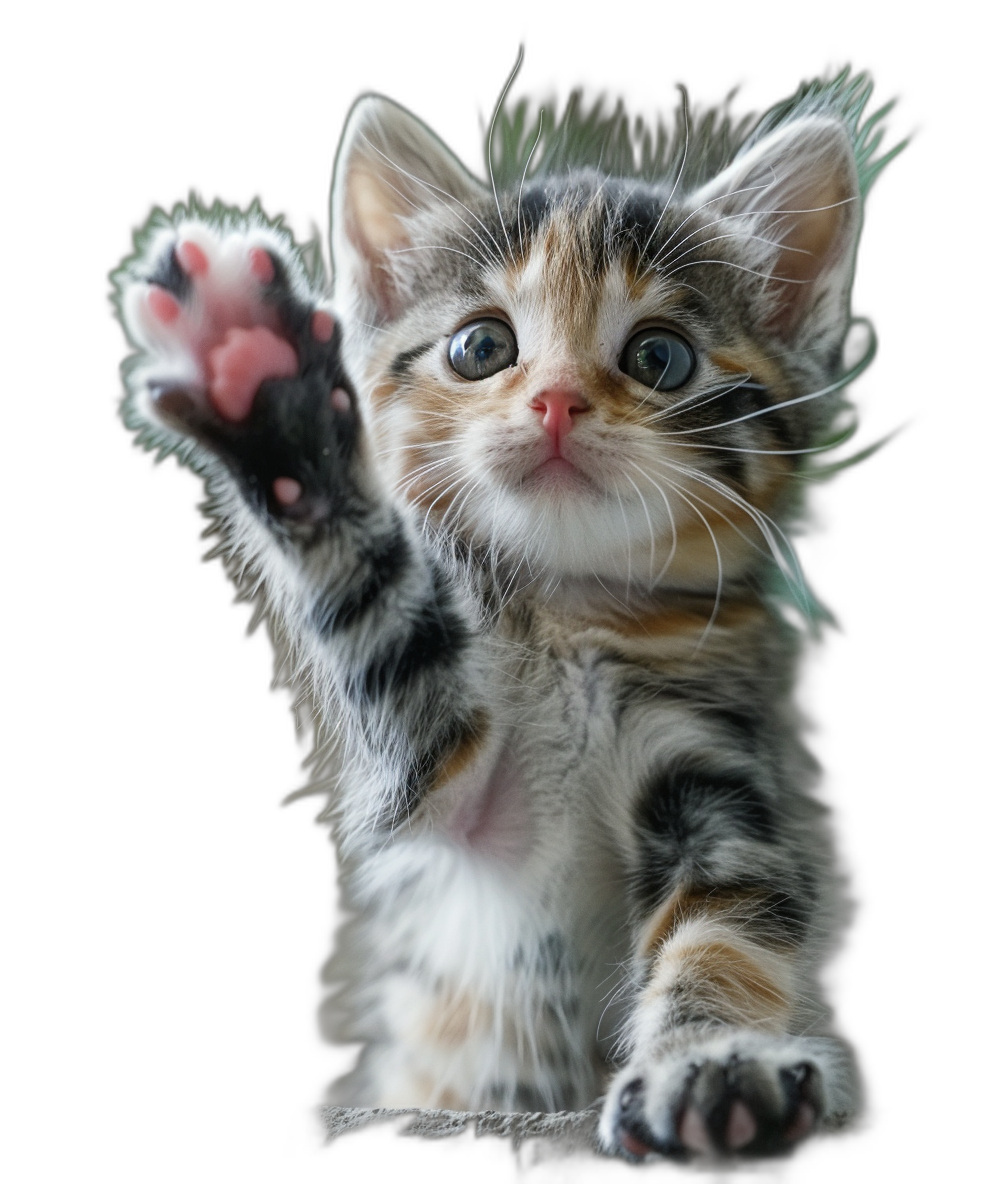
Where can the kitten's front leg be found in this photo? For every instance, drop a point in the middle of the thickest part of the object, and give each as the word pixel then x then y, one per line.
pixel 238 370
pixel 716 1067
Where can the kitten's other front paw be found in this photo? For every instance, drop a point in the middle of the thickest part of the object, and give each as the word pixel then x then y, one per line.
pixel 237 355
pixel 741 1093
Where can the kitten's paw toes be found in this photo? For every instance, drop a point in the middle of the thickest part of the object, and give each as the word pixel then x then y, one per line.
pixel 235 352
pixel 713 1102
pixel 219 313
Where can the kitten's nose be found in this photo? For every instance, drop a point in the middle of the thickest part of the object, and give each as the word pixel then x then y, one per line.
pixel 558 406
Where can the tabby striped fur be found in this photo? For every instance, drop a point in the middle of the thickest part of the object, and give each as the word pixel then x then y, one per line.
pixel 573 810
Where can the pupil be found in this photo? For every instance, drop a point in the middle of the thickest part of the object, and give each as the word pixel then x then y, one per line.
pixel 654 355
pixel 485 348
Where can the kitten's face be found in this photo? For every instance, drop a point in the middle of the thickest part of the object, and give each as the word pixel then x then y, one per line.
pixel 590 386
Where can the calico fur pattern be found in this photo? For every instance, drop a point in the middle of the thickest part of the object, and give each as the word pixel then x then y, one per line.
pixel 550 668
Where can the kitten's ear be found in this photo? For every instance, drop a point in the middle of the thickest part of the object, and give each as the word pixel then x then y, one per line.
pixel 390 167
pixel 797 189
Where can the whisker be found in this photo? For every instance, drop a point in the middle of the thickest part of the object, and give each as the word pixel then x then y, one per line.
pixel 425 470
pixel 440 192
pixel 675 186
pixel 675 538
pixel 761 451
pixel 521 185
pixel 626 528
pixel 710 202
pixel 493 183
pixel 647 516
pixel 779 279
pixel 430 508
pixel 788 565
pixel 841 382
pixel 434 247
pixel 778 213
pixel 689 403
pixel 720 565
pixel 750 238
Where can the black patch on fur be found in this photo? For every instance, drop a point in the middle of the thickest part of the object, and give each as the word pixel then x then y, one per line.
pixel 753 396
pixel 732 467
pixel 685 810
pixel 402 362
pixel 636 221
pixel 790 914
pixel 535 206
pixel 169 275
pixel 436 637
pixel 632 1122
pixel 743 724
pixel 426 763
pixel 380 562
pixel 550 956
pixel 625 218
pixel 675 798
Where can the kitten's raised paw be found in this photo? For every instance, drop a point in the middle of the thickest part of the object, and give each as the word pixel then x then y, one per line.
pixel 751 1096
pixel 236 353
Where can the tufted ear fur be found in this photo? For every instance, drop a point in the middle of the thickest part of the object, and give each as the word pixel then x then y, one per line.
pixel 390 168
pixel 794 202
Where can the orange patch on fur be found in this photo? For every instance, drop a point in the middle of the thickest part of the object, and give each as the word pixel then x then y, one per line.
pixel 676 621
pixel 732 985
pixel 426 1093
pixel 638 279
pixel 569 287
pixel 687 904
pixel 727 362
pixel 663 623
pixel 464 753
pixel 455 1019
pixel 383 392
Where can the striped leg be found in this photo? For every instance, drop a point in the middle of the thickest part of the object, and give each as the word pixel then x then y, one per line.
pixel 716 1074
pixel 238 371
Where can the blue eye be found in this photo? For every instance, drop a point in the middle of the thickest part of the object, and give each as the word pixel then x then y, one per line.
pixel 482 348
pixel 658 358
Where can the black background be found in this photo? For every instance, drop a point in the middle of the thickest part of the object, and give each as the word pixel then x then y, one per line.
pixel 198 911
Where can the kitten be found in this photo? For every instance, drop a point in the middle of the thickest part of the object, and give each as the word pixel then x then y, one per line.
pixel 514 504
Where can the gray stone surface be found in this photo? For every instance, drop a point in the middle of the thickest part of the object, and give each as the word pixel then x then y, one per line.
pixel 566 1138
pixel 573 1128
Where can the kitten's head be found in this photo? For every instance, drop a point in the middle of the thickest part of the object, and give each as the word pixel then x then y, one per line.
pixel 599 374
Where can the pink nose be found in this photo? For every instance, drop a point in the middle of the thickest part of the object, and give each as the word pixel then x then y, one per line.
pixel 558 406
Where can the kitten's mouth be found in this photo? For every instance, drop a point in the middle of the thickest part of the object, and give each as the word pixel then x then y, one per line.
pixel 556 473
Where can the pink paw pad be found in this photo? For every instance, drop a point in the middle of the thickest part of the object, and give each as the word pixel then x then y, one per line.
pixel 802 1123
pixel 322 326
pixel 286 490
pixel 339 399
pixel 634 1146
pixel 192 259
pixel 163 305
pixel 741 1128
pixel 245 359
pixel 262 265
pixel 693 1132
